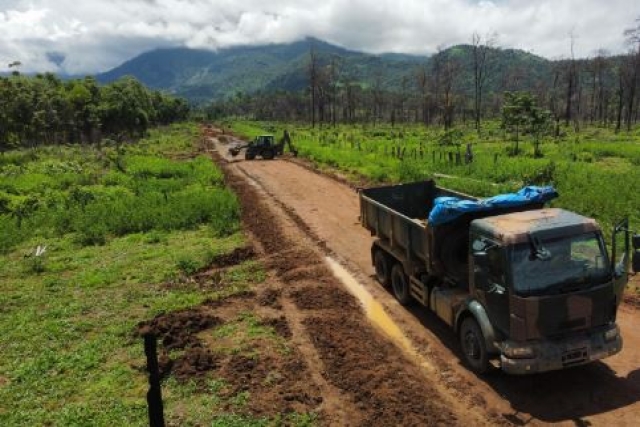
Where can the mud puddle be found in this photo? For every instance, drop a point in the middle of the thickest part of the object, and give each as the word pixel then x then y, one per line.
pixel 376 313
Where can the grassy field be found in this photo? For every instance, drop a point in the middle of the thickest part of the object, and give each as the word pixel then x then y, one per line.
pixel 595 171
pixel 123 228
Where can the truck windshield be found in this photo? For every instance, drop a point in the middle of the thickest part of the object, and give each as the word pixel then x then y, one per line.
pixel 571 263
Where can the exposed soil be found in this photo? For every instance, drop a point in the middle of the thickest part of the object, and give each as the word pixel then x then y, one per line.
pixel 277 381
pixel 296 216
pixel 280 325
pixel 387 389
pixel 323 297
pixel 237 256
pixel 178 329
pixel 270 298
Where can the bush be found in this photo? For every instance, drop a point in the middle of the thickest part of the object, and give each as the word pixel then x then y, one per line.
pixel 10 234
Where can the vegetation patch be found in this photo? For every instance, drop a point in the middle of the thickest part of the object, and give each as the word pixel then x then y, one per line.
pixel 91 238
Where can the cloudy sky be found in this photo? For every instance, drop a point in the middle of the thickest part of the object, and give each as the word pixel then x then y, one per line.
pixel 86 36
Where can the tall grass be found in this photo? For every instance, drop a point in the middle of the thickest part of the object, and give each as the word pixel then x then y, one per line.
pixel 96 195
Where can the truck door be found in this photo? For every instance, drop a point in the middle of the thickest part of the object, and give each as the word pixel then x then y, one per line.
pixel 620 258
pixel 489 280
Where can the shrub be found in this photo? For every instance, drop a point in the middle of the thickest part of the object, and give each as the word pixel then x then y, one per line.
pixel 10 234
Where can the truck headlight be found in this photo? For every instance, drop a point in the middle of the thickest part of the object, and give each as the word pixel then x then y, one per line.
pixel 519 352
pixel 611 334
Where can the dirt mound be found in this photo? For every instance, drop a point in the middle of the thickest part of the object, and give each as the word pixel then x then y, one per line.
pixel 176 330
pixel 387 389
pixel 269 298
pixel 305 273
pixel 237 256
pixel 194 363
pixel 279 324
pixel 320 297
pixel 280 382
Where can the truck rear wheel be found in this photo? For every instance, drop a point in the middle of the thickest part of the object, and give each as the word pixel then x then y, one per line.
pixel 473 346
pixel 400 284
pixel 381 264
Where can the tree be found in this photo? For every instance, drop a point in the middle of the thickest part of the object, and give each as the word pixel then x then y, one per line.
pixel 423 84
pixel 632 71
pixel 312 70
pixel 572 75
pixel 480 51
pixel 521 114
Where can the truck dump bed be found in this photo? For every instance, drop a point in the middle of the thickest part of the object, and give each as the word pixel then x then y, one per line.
pixel 397 215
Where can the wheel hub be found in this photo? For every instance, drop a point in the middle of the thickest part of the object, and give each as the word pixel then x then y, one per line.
pixel 471 345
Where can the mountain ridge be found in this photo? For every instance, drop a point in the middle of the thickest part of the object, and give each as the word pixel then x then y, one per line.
pixel 203 75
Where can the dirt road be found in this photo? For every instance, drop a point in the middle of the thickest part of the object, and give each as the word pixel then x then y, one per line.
pixel 327 211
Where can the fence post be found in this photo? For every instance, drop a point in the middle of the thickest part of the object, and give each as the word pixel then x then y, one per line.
pixel 154 395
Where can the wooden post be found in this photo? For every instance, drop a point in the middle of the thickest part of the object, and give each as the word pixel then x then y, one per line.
pixel 154 395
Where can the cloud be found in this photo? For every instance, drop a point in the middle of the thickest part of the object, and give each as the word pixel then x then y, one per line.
pixel 91 36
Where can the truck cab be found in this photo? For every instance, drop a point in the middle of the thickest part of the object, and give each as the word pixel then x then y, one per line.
pixel 543 280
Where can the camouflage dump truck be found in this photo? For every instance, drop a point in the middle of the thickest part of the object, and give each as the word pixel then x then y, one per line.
pixel 523 286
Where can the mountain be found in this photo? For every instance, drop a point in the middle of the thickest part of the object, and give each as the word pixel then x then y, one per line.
pixel 204 75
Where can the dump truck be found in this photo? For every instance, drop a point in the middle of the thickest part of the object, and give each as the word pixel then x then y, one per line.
pixel 525 287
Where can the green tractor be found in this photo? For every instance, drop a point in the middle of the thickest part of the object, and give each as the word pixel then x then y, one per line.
pixel 265 146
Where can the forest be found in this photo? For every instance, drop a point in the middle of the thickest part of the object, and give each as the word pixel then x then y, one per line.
pixel 46 110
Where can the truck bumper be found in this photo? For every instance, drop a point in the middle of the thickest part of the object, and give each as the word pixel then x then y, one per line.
pixel 561 354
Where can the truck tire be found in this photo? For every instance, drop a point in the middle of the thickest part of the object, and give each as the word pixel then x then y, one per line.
pixel 474 348
pixel 400 285
pixel 249 155
pixel 381 264
pixel 268 154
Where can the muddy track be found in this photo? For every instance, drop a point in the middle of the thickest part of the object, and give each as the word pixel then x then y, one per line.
pixel 362 377
pixel 325 211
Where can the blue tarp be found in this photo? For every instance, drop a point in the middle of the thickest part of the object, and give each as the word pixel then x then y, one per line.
pixel 447 209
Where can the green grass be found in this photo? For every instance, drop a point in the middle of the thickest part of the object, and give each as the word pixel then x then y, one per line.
pixel 69 352
pixel 595 171
pixel 99 194
pixel 242 333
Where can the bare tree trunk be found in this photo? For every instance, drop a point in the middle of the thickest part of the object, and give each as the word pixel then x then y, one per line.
pixel 313 82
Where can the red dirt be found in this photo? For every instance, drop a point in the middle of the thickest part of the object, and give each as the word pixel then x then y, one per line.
pixel 355 385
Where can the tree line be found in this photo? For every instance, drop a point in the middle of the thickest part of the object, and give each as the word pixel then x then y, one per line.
pixel 463 84
pixel 44 109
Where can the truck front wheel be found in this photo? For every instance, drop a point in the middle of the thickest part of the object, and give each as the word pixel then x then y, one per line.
pixel 473 346
pixel 381 264
pixel 400 285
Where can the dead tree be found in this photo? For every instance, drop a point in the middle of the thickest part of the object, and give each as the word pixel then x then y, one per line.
pixel 480 52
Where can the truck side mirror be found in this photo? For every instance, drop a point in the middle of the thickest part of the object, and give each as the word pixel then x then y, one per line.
pixel 636 262
pixel 636 242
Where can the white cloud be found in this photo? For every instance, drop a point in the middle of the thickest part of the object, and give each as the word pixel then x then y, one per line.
pixel 93 35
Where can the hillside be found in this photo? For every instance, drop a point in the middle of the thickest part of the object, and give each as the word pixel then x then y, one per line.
pixel 202 75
